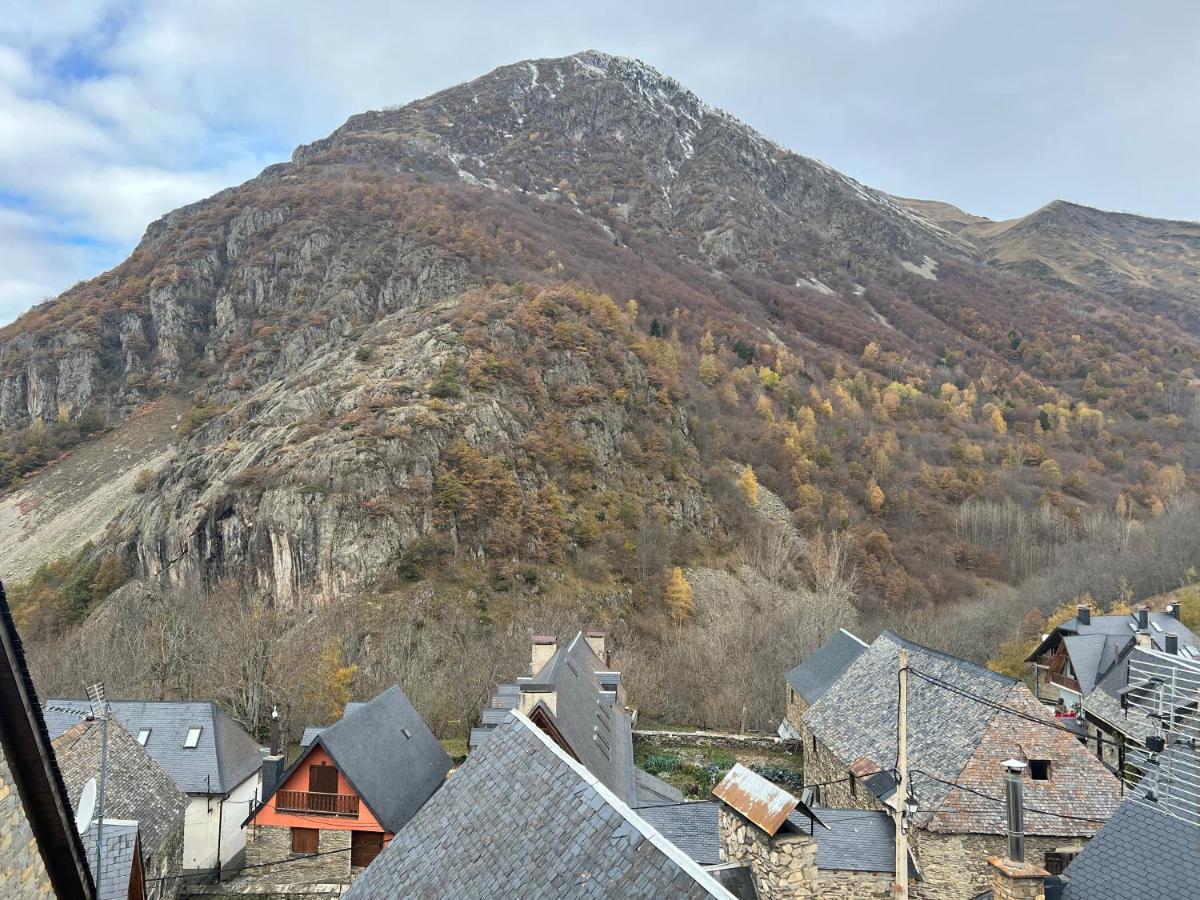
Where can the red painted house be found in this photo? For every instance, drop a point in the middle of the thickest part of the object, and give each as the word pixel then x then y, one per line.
pixel 351 789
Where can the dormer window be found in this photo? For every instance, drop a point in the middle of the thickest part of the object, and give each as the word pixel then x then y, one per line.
pixel 1039 769
pixel 143 736
pixel 192 739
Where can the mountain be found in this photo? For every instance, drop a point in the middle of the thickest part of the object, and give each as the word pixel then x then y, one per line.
pixel 531 330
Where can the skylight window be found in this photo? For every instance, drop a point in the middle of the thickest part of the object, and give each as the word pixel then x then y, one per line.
pixel 407 734
pixel 143 736
pixel 192 739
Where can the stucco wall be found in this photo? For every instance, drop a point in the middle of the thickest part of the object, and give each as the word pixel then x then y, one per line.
pixel 22 871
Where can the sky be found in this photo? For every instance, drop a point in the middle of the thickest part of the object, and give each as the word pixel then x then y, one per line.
pixel 113 112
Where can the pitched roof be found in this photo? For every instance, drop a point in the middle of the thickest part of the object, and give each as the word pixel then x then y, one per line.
pixel 1141 854
pixel 591 718
pixel 854 840
pixel 118 859
pixel 952 737
pixel 224 755
pixel 1092 655
pixel 136 787
pixel 312 731
pixel 38 812
pixel 388 754
pixel 652 790
pixel 813 677
pixel 521 818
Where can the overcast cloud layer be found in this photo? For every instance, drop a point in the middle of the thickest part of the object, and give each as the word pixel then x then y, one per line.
pixel 112 113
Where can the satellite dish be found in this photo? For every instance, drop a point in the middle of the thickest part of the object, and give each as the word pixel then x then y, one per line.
pixel 87 806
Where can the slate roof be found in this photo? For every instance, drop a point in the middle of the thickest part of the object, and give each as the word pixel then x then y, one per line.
pixel 523 819
pixel 40 799
pixel 1141 854
pixel 855 840
pixel 813 677
pixel 592 720
pixel 311 731
pixel 224 757
pixel 136 787
pixel 394 773
pixel 956 738
pixel 117 860
pixel 1105 704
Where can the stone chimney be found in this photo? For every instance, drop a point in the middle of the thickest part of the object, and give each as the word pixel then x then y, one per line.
pixel 598 641
pixel 544 647
pixel 1143 626
pixel 755 832
pixel 1083 614
pixel 1012 877
pixel 1171 643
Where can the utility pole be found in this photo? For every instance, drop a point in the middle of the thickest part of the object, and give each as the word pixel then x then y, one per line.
pixel 900 797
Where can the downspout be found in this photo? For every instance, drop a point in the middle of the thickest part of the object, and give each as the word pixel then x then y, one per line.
pixel 220 815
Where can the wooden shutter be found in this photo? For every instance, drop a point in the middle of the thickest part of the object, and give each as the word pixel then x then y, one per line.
pixel 322 779
pixel 364 847
pixel 305 840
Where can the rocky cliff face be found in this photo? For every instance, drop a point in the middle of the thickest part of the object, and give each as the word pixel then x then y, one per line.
pixel 414 342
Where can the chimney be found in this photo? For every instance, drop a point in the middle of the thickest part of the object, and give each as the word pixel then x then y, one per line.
pixel 755 831
pixel 1143 626
pixel 544 647
pixel 1171 643
pixel 274 730
pixel 1012 877
pixel 274 762
pixel 598 641
pixel 1083 614
pixel 1174 611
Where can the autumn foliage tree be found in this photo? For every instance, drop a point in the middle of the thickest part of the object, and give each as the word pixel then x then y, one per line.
pixel 680 603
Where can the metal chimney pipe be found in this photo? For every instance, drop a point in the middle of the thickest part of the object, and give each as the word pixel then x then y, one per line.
pixel 275 731
pixel 1015 806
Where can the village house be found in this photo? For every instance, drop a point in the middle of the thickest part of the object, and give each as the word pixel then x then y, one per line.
pixel 963 722
pixel 818 852
pixel 210 757
pixel 572 694
pixel 808 681
pixel 523 818
pixel 1072 659
pixel 137 791
pixel 43 854
pixel 354 785
pixel 122 869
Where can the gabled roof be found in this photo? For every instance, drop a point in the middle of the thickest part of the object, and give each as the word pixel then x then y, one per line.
pixel 952 737
pixel 854 840
pixel 1141 854
pixel 119 857
pixel 312 731
pixel 136 787
pixel 224 755
pixel 591 719
pixel 37 812
pixel 387 753
pixel 523 819
pixel 813 677
pixel 1092 655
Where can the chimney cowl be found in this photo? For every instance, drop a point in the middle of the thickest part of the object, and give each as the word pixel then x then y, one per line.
pixel 1083 614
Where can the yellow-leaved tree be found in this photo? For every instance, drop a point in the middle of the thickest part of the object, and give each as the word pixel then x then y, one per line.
pixel 749 485
pixel 709 372
pixel 679 596
pixel 875 497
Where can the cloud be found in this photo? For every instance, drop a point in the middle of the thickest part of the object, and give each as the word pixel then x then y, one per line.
pixel 115 111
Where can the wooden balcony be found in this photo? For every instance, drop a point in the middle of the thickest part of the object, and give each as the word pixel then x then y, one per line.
pixel 318 804
pixel 1063 681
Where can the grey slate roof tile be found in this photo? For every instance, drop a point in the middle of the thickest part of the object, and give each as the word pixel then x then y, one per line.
pixel 224 757
pixel 116 858
pixel 813 677
pixel 521 813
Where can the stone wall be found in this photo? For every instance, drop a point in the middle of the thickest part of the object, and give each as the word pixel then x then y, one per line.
pixel 955 866
pixel 166 860
pixel 23 873
pixel 1017 881
pixel 854 885
pixel 265 843
pixel 784 866
pixel 736 742
pixel 821 766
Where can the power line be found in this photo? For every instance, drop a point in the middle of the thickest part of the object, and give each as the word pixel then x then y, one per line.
pixel 1002 801
pixel 278 862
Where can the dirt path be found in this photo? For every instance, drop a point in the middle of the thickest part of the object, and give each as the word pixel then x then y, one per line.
pixel 72 501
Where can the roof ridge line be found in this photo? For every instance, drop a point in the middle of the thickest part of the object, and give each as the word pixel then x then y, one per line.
pixel 910 644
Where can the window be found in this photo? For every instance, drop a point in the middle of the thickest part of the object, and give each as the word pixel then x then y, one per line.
pixel 305 840
pixel 193 738
pixel 1056 861
pixel 143 736
pixel 364 847
pixel 407 734
pixel 814 743
pixel 1039 769
pixel 322 779
pixel 853 786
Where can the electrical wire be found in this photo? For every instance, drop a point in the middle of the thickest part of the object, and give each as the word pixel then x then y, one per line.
pixel 1002 801
pixel 277 862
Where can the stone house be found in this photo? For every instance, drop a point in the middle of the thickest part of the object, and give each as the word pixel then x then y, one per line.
pixel 522 818
pixel 810 679
pixel 573 695
pixel 136 790
pixel 41 853
pixel 351 789
pixel 209 756
pixel 963 722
